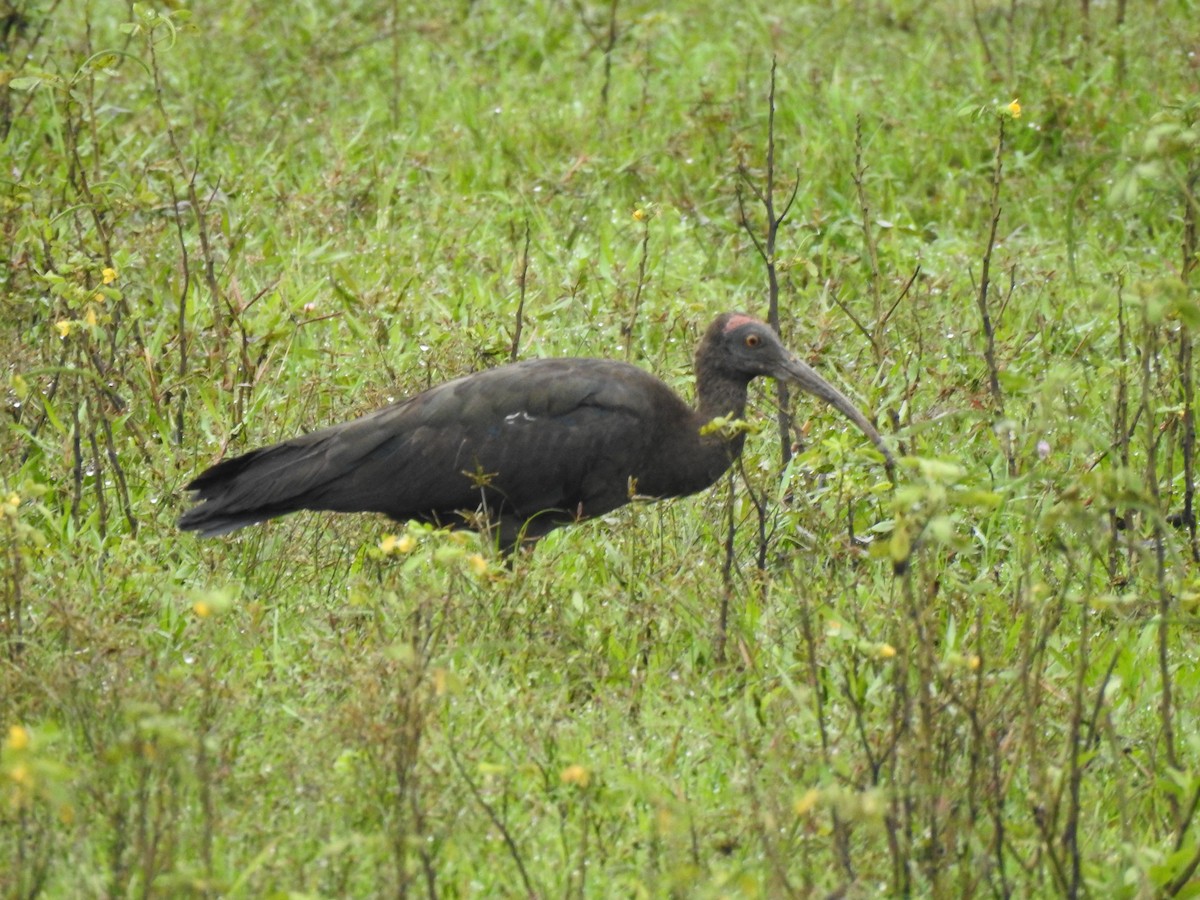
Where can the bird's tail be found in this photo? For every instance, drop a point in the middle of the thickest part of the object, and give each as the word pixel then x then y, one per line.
pixel 251 488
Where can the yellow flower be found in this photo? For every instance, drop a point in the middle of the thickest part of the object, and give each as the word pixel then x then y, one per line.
pixel 639 214
pixel 21 776
pixel 64 328
pixel 18 737
pixel 393 544
pixel 805 804
pixel 109 276
pixel 886 651
pixel 202 608
pixel 1014 109
pixel 575 774
pixel 477 563
pixel 90 316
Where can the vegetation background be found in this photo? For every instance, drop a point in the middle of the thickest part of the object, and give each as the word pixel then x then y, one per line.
pixel 227 223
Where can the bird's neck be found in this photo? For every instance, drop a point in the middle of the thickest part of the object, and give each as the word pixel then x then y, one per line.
pixel 719 393
pixel 691 455
pixel 721 397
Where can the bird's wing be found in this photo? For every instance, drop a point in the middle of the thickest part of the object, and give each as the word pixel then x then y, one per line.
pixel 542 435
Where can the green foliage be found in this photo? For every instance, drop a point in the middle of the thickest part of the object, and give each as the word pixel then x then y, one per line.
pixel 229 224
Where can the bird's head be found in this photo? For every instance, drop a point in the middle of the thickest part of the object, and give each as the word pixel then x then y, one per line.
pixel 742 347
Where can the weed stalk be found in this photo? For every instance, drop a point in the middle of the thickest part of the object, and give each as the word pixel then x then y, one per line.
pixel 869 240
pixel 766 250
pixel 1165 606
pixel 522 282
pixel 989 331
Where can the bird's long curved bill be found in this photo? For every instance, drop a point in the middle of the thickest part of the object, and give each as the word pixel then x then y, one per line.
pixel 803 375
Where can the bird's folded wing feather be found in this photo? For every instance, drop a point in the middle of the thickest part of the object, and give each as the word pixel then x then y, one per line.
pixel 550 434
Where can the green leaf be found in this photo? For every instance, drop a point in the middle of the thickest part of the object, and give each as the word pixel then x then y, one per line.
pixel 26 82
pixel 940 529
pixel 900 545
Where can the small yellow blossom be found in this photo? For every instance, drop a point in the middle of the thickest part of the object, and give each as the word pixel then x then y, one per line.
pixel 1014 109
pixel 446 681
pixel 393 544
pixel 974 662
pixel 575 774
pixel 21 776
pixel 886 651
pixel 202 608
pixel 109 276
pixel 477 563
pixel 806 803
pixel 64 328
pixel 18 737
pixel 10 505
pixel 664 819
pixel 98 297
pixel 90 316
pixel 639 214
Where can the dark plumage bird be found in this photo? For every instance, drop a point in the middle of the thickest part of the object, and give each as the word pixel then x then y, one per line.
pixel 521 448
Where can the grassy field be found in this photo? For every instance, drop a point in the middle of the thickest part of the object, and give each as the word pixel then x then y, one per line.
pixel 226 224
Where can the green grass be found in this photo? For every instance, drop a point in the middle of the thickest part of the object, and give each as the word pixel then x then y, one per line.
pixel 997 697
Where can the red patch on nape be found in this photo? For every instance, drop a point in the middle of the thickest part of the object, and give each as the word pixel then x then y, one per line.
pixel 737 320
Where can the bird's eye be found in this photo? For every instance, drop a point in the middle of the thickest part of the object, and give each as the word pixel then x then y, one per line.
pixel 753 340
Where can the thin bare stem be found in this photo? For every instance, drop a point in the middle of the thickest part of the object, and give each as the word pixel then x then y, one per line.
pixel 181 323
pixel 726 572
pixel 643 261
pixel 1166 687
pixel 1191 258
pixel 989 332
pixel 522 282
pixel 199 210
pixel 497 821
pixel 766 249
pixel 864 205
pixel 609 46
